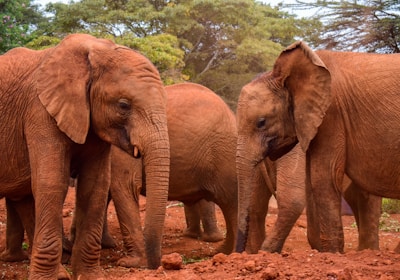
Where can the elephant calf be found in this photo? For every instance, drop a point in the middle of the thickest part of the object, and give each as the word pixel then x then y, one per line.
pixel 202 133
pixel 286 177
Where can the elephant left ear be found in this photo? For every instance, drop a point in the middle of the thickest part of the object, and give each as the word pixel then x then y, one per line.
pixel 308 81
pixel 63 81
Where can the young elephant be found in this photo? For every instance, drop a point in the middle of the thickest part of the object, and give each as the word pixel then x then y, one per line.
pixel 344 110
pixel 61 109
pixel 202 132
pixel 287 176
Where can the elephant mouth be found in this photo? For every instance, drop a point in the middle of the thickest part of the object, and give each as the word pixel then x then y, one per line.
pixel 276 149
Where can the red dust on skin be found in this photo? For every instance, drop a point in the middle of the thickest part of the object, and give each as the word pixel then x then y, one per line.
pixel 202 261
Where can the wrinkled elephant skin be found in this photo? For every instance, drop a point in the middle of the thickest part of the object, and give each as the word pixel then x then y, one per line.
pixel 64 108
pixel 343 109
pixel 286 177
pixel 202 131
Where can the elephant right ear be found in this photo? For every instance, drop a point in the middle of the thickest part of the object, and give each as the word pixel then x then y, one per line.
pixel 308 81
pixel 63 81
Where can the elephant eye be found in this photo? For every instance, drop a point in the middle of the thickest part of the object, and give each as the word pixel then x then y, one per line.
pixel 261 123
pixel 124 104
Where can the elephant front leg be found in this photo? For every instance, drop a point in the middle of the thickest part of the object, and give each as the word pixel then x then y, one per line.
pixel 91 199
pixel 291 203
pixel 325 203
pixel 124 190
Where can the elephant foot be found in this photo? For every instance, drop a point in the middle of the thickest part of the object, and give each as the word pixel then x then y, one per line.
pixel 272 246
pixel 63 273
pixel 107 242
pixel 212 237
pixel 194 233
pixel 8 256
pixel 131 261
pixel 225 248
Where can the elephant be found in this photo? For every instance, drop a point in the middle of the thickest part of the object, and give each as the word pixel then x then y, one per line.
pixel 62 110
pixel 343 110
pixel 285 178
pixel 202 136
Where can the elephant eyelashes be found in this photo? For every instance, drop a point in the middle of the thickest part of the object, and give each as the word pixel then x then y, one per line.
pixel 124 104
pixel 261 123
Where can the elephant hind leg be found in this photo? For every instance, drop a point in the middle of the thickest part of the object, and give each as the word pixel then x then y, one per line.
pixel 192 214
pixel 15 230
pixel 211 233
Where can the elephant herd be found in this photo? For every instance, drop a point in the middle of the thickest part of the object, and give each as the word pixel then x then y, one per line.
pixel 319 126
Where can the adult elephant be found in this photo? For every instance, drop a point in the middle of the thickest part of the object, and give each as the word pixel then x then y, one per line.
pixel 285 178
pixel 61 109
pixel 202 133
pixel 343 109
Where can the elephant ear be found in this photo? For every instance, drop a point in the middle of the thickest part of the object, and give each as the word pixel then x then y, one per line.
pixel 308 81
pixel 63 81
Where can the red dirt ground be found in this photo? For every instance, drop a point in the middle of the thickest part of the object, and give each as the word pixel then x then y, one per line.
pixel 201 260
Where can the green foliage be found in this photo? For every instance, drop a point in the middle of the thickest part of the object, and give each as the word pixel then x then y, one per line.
pixel 386 223
pixel 13 27
pixel 221 44
pixel 43 42
pixel 391 206
pixel 163 50
pixel 25 246
pixel 187 260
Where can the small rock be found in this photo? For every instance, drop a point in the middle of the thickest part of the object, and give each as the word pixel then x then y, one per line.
pixel 172 261
pixel 269 274
pixel 219 258
pixel 250 265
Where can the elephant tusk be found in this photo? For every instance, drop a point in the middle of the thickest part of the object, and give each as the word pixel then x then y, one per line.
pixel 267 179
pixel 135 152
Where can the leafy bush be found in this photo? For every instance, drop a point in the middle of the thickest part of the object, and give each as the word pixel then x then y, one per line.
pixel 391 206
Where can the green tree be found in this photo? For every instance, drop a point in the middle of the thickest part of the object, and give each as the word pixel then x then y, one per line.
pixel 227 43
pixel 221 44
pixel 17 18
pixel 363 25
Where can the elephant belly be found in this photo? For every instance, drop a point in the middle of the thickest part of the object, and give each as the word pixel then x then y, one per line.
pixel 15 179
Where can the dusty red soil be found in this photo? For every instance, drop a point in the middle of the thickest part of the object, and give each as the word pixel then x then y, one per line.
pixel 201 260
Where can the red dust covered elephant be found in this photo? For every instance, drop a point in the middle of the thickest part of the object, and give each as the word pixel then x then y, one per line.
pixel 61 109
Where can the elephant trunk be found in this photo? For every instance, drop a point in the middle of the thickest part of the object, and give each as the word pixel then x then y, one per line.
pixel 156 161
pixel 245 174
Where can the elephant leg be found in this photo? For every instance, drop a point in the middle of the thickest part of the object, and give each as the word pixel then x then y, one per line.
pixel 259 209
pixel 229 210
pixel 291 203
pixel 124 189
pixel 192 214
pixel 107 241
pixel 367 211
pixel 91 200
pixel 313 229
pixel 14 235
pixel 211 233
pixel 290 196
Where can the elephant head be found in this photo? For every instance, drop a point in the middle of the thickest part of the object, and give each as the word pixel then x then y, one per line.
pixel 276 111
pixel 91 85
